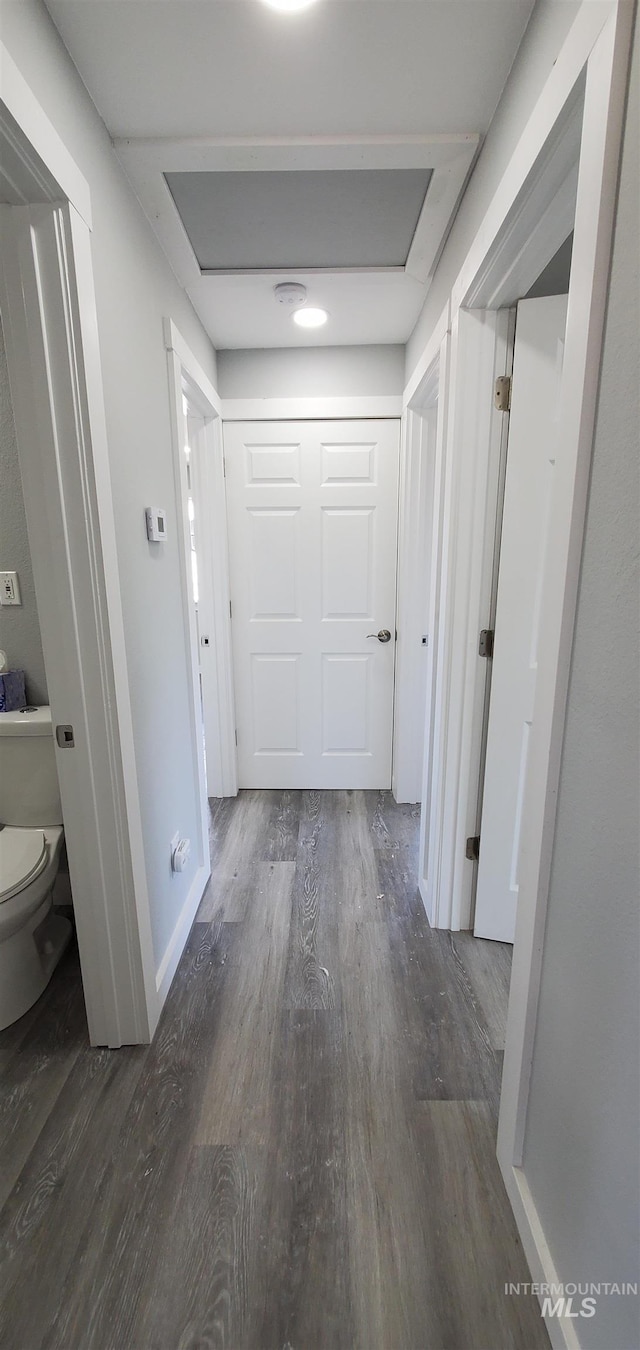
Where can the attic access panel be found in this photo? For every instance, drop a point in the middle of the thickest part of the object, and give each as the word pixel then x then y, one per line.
pixel 271 221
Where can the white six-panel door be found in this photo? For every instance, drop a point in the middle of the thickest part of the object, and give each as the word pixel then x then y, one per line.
pixel 312 535
pixel 531 458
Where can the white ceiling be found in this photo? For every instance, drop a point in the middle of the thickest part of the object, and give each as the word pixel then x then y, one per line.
pixel 214 85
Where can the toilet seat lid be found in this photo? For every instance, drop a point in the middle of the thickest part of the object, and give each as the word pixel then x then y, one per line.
pixel 23 854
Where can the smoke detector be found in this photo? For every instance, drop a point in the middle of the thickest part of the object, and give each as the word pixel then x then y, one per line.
pixel 291 294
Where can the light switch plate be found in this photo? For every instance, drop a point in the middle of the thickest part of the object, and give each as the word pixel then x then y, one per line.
pixel 9 589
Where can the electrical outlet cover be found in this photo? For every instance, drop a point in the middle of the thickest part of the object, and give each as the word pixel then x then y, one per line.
pixel 9 589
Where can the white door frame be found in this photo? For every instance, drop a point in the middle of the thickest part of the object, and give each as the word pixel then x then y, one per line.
pixel 433 741
pixel 305 409
pixel 605 92
pixel 493 872
pixel 531 204
pixel 269 767
pixel 212 662
pixel 48 306
pixel 479 352
pixel 460 569
pixel 420 458
pixel 363 407
pixel 532 212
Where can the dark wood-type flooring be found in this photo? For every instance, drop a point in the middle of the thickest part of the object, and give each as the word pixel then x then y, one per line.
pixel 304 1158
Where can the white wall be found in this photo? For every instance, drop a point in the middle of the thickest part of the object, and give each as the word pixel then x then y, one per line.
pixel 135 288
pixel 311 372
pixel 19 627
pixel 548 27
pixel 583 1127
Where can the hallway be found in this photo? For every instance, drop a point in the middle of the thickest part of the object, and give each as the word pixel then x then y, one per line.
pixel 304 1159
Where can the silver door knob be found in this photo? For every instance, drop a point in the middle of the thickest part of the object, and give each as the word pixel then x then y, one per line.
pixel 383 636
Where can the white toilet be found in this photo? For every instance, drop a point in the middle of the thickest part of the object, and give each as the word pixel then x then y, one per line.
pixel 32 938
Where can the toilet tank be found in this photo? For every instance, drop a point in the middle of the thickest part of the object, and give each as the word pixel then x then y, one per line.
pixel 29 792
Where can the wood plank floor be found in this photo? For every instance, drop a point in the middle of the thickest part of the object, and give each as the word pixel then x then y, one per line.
pixel 304 1159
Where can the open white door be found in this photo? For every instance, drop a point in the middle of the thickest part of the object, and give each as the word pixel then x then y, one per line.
pixel 312 535
pixel 537 370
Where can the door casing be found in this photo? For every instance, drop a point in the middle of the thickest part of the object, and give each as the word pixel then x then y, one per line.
pixel 562 172
pixel 520 545
pixel 187 381
pixel 48 305
pixel 321 489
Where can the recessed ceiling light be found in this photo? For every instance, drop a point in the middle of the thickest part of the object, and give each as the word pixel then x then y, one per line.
pixel 310 318
pixel 289 6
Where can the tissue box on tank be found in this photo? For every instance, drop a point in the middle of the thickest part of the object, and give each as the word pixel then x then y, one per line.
pixel 12 691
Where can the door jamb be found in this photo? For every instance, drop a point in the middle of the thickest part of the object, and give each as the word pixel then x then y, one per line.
pixel 417 461
pixel 594 61
pixel 479 353
pixel 363 407
pixel 186 377
pixel 604 103
pixel 48 280
pixel 414 533
pixel 307 409
pixel 432 769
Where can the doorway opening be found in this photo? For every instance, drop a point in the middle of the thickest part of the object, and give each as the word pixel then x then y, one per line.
pixel 511 638
pixel 48 310
pixel 561 179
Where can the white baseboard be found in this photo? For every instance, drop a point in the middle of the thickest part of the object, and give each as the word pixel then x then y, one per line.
pixel 178 939
pixel 562 1330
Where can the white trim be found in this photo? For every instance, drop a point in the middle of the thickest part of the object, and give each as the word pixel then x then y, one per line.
pixel 537 139
pixel 443 194
pixel 603 119
pixel 310 409
pixel 215 154
pixel 408 715
pixel 599 42
pixel 540 220
pixel 179 438
pixel 177 942
pixel 479 352
pixel 530 204
pixel 416 390
pixel 418 454
pixel 480 462
pixel 433 763
pixel 186 377
pixel 120 716
pixel 53 172
pixel 424 419
pixel 48 306
pixel 562 1330
pixel 216 662
pixel 174 342
pixel 147 160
